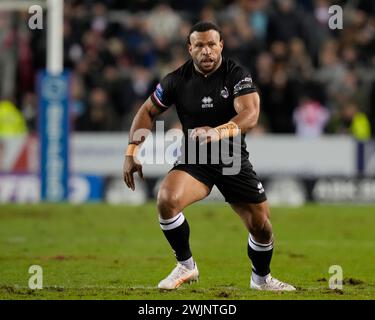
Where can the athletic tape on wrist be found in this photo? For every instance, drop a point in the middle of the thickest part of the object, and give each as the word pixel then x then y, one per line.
pixel 132 150
pixel 229 129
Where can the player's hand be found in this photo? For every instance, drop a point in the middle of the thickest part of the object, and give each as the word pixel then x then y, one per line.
pixel 131 166
pixel 204 134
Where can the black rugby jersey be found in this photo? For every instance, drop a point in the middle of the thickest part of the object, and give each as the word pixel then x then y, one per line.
pixel 205 100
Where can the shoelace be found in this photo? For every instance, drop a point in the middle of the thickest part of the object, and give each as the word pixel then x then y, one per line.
pixel 177 272
pixel 278 283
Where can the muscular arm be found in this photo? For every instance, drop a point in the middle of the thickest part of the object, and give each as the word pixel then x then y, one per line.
pixel 144 119
pixel 247 108
pixel 142 124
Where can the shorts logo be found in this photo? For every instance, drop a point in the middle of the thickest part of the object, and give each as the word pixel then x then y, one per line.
pixel 260 187
pixel 224 93
pixel 207 102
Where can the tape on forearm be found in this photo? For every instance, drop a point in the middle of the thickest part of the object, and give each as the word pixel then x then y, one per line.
pixel 226 130
pixel 132 150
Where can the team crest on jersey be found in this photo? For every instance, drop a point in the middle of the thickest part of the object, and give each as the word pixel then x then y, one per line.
pixel 224 93
pixel 207 102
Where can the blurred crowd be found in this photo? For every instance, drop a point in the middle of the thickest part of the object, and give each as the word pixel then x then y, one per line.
pixel 312 79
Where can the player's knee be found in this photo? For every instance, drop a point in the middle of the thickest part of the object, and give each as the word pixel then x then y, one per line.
pixel 168 204
pixel 262 231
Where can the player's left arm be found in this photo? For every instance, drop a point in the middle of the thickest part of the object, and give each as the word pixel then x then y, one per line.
pixel 247 107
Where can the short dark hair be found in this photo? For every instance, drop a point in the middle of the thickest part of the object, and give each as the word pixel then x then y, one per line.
pixel 204 26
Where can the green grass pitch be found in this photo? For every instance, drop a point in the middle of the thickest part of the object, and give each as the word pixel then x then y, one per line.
pixel 100 251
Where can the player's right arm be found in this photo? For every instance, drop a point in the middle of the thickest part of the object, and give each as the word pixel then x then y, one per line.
pixel 142 122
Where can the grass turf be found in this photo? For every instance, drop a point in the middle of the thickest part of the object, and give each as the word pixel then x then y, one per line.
pixel 100 251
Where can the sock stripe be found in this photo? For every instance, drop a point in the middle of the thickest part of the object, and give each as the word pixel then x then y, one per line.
pixel 168 223
pixel 259 246
pixel 175 222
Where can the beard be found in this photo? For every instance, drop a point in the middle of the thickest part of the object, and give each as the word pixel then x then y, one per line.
pixel 206 64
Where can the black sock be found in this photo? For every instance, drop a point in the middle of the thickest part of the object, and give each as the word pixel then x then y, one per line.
pixel 260 256
pixel 177 232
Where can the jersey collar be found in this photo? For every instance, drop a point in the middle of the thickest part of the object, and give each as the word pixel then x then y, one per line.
pixel 207 76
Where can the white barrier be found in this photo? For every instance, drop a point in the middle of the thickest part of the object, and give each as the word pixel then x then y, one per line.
pixel 280 154
pixel 102 154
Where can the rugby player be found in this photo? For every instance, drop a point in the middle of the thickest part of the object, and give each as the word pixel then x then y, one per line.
pixel 216 100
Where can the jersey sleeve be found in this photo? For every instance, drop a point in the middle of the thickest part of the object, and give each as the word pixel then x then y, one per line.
pixel 164 93
pixel 242 82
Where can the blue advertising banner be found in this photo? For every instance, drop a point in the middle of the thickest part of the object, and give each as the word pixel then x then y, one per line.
pixel 25 188
pixel 54 135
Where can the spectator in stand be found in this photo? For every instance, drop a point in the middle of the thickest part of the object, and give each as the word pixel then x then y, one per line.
pixel 263 74
pixel 285 23
pixel 12 123
pixel 310 118
pixel 7 56
pixel 354 122
pixel 29 110
pixel 372 107
pixel 330 70
pixel 286 44
pixel 300 66
pixel 163 22
pixel 100 115
pixel 281 103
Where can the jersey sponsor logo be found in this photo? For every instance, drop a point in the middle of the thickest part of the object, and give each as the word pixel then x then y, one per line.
pixel 260 187
pixel 224 93
pixel 207 102
pixel 243 84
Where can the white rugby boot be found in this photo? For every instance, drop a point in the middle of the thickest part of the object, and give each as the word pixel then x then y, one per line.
pixel 178 276
pixel 272 284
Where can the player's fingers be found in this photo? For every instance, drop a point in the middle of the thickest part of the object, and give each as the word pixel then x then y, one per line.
pixel 193 134
pixel 200 134
pixel 127 181
pixel 131 181
pixel 205 140
pixel 140 173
